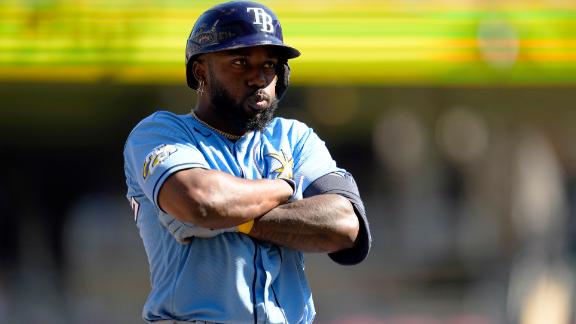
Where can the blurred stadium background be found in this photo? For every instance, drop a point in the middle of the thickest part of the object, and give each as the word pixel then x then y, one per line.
pixel 456 117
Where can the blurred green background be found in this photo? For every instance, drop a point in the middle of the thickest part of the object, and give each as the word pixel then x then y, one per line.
pixel 456 118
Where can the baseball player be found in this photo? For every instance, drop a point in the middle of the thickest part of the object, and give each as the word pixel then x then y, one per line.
pixel 228 197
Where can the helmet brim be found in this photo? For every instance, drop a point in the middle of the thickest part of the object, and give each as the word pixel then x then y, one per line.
pixel 287 52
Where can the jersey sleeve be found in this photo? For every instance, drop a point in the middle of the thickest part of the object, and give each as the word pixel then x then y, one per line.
pixel 159 146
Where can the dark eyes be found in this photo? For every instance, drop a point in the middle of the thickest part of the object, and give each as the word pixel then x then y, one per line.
pixel 240 62
pixel 244 62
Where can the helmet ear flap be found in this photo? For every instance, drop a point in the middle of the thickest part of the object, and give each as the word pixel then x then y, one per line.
pixel 283 79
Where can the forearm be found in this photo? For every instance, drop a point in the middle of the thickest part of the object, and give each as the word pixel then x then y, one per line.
pixel 323 223
pixel 215 199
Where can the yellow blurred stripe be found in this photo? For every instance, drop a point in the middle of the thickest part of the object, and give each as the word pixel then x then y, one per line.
pixel 342 41
pixel 93 74
pixel 310 43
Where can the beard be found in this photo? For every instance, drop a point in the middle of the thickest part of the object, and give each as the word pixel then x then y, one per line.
pixel 234 112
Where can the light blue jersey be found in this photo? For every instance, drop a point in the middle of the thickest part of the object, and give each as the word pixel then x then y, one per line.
pixel 229 278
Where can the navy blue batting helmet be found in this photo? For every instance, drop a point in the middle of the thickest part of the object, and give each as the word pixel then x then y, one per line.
pixel 238 24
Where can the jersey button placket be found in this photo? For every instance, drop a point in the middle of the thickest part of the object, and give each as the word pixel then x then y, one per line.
pixel 240 150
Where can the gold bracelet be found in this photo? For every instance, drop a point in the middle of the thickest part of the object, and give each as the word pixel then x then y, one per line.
pixel 246 227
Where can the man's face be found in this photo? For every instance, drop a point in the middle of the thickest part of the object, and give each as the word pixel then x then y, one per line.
pixel 242 85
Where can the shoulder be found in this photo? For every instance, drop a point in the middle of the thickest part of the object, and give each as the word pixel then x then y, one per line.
pixel 159 122
pixel 159 118
pixel 156 129
pixel 287 122
pixel 288 127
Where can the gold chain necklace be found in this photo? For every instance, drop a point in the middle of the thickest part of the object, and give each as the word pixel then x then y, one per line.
pixel 227 135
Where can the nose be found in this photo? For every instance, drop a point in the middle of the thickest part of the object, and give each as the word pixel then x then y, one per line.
pixel 258 79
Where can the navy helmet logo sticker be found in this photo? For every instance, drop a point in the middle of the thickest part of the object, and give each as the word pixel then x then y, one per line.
pixel 262 18
pixel 157 156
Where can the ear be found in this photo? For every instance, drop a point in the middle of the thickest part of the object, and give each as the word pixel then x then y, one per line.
pixel 199 70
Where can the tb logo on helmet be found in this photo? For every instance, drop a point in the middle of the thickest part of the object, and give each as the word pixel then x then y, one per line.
pixel 262 18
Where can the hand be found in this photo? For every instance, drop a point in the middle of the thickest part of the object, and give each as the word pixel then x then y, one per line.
pixel 183 231
pixel 297 194
pixel 282 167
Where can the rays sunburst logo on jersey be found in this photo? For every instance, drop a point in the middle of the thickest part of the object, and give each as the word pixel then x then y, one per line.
pixel 158 154
pixel 282 164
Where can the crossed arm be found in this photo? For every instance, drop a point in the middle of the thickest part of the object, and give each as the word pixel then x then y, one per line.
pixel 214 199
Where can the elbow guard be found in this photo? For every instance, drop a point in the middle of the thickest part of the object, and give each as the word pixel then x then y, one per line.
pixel 344 185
